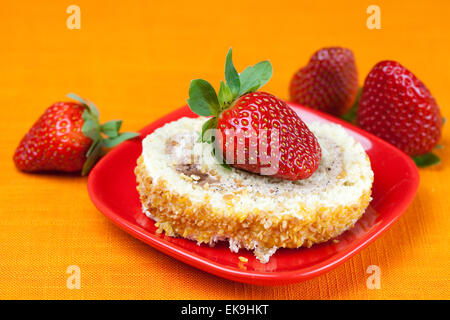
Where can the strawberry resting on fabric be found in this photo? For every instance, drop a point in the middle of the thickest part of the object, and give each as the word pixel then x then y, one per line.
pixel 68 137
pixel 329 82
pixel 397 107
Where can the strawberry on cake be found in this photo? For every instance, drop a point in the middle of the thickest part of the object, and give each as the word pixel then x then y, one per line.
pixel 252 173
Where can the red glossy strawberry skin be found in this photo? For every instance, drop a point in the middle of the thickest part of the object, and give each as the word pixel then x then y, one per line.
pixel 298 150
pixel 329 82
pixel 397 107
pixel 55 142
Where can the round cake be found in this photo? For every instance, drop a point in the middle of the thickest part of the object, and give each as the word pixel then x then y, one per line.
pixel 190 194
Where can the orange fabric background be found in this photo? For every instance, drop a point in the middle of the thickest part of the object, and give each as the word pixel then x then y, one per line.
pixel 135 59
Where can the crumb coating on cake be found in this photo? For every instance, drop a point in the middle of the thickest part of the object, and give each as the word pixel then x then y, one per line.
pixel 209 208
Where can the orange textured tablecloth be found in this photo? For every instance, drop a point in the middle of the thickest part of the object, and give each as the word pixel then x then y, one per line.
pixel 135 59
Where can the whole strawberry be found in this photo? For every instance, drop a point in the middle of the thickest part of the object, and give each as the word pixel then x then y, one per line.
pixel 397 107
pixel 255 131
pixel 329 82
pixel 67 137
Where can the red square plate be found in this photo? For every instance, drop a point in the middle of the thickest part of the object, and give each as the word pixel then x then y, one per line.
pixel 112 188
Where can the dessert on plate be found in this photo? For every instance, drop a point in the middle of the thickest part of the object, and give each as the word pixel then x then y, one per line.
pixel 249 171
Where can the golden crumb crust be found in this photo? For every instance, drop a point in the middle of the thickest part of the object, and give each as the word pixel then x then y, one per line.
pixel 260 230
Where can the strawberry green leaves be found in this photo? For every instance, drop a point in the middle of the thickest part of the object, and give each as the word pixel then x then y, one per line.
pixel 95 131
pixel 254 77
pixel 114 141
pixel 231 75
pixel 426 160
pixel 202 98
pixel 208 126
pixel 225 95
pixel 89 105
pixel 111 128
pixel 94 153
pixel 204 101
pixel 91 126
pixel 251 79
